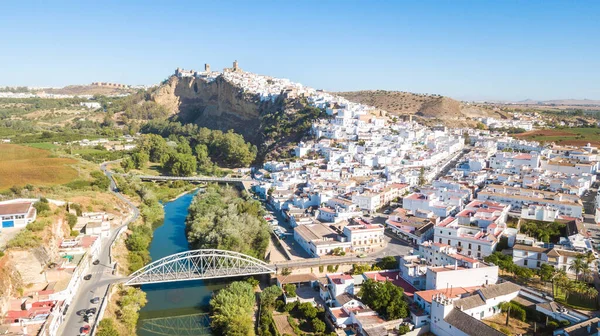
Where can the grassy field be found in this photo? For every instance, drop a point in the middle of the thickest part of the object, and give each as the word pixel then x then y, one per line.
pixel 42 145
pixel 565 136
pixel 22 165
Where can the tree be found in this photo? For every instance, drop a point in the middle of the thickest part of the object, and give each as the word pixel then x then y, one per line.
pixel 180 164
pixel 546 272
pixel 586 271
pixel 422 180
pixel 127 164
pixel 318 325
pixel 577 265
pixel 140 159
pixel 269 296
pixel 71 220
pixel 232 310
pixel 307 310
pixel 388 262
pixel 385 298
pixel 106 327
pixel 290 290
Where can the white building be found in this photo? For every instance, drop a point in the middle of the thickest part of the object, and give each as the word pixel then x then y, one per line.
pixel 17 214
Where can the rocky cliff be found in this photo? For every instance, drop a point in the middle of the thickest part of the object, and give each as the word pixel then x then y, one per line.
pixel 216 104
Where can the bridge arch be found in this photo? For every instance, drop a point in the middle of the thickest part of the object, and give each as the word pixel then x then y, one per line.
pixel 197 265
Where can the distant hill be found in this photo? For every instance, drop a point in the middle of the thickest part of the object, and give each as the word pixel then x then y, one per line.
pixel 561 102
pixel 88 90
pixel 424 106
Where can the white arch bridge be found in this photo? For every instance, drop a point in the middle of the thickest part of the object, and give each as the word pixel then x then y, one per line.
pixel 197 265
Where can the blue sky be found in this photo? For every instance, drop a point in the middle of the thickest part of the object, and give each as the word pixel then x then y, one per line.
pixel 465 49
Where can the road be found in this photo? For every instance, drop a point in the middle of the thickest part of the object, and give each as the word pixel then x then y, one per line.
pixel 101 273
pixel 452 163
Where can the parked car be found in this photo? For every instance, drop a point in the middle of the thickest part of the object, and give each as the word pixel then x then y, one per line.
pixel 91 311
pixel 387 212
pixel 85 329
pixel 87 277
pixel 95 300
pixel 96 262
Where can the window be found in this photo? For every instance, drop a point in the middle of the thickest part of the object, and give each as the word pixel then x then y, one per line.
pixel 478 255
pixel 448 241
pixel 459 244
pixel 525 262
pixel 469 246
pixel 440 240
pixel 478 247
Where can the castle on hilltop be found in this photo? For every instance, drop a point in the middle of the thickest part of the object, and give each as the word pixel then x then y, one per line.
pixel 207 73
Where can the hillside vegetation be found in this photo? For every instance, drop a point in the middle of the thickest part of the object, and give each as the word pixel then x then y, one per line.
pixel 425 106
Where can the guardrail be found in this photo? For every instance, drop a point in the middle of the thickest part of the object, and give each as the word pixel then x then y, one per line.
pixel 101 309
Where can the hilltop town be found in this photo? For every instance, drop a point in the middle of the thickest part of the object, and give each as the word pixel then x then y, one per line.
pixel 460 226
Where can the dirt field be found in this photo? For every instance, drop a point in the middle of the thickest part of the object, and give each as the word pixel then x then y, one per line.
pixel 283 326
pixel 515 326
pixel 568 136
pixel 22 165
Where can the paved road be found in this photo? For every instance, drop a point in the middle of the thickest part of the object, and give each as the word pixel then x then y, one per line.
pixel 101 274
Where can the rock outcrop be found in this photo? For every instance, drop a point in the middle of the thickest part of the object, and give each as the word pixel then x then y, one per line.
pixel 215 104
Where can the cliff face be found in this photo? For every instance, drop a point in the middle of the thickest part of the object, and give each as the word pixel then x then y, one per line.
pixel 216 105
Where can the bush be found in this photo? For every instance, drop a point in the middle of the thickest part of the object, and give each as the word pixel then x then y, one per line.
pixel 403 329
pixel 106 327
pixel 24 239
pixel 74 233
pixel 38 225
pixel 41 207
pixel 505 330
pixel 552 325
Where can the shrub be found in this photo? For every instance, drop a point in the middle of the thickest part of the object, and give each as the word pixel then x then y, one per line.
pixel 38 225
pixel 403 329
pixel 552 325
pixel 24 239
pixel 505 330
pixel 42 208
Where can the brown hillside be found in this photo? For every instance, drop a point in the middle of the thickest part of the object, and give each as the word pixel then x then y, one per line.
pixel 88 90
pixel 437 107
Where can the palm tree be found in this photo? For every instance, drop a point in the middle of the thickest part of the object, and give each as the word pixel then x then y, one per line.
pixel 589 257
pixel 586 270
pixel 570 287
pixel 577 265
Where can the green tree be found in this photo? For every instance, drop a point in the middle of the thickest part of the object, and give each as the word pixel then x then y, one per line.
pixel 140 159
pixel 577 265
pixel 385 298
pixel 290 290
pixel 127 164
pixel 307 310
pixel 387 263
pixel 232 310
pixel 106 327
pixel 71 220
pixel 181 165
pixel 269 296
pixel 318 325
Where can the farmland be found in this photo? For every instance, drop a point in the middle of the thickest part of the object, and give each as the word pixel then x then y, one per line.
pixel 22 165
pixel 564 136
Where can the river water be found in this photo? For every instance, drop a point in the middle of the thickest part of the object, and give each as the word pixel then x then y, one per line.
pixel 177 308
